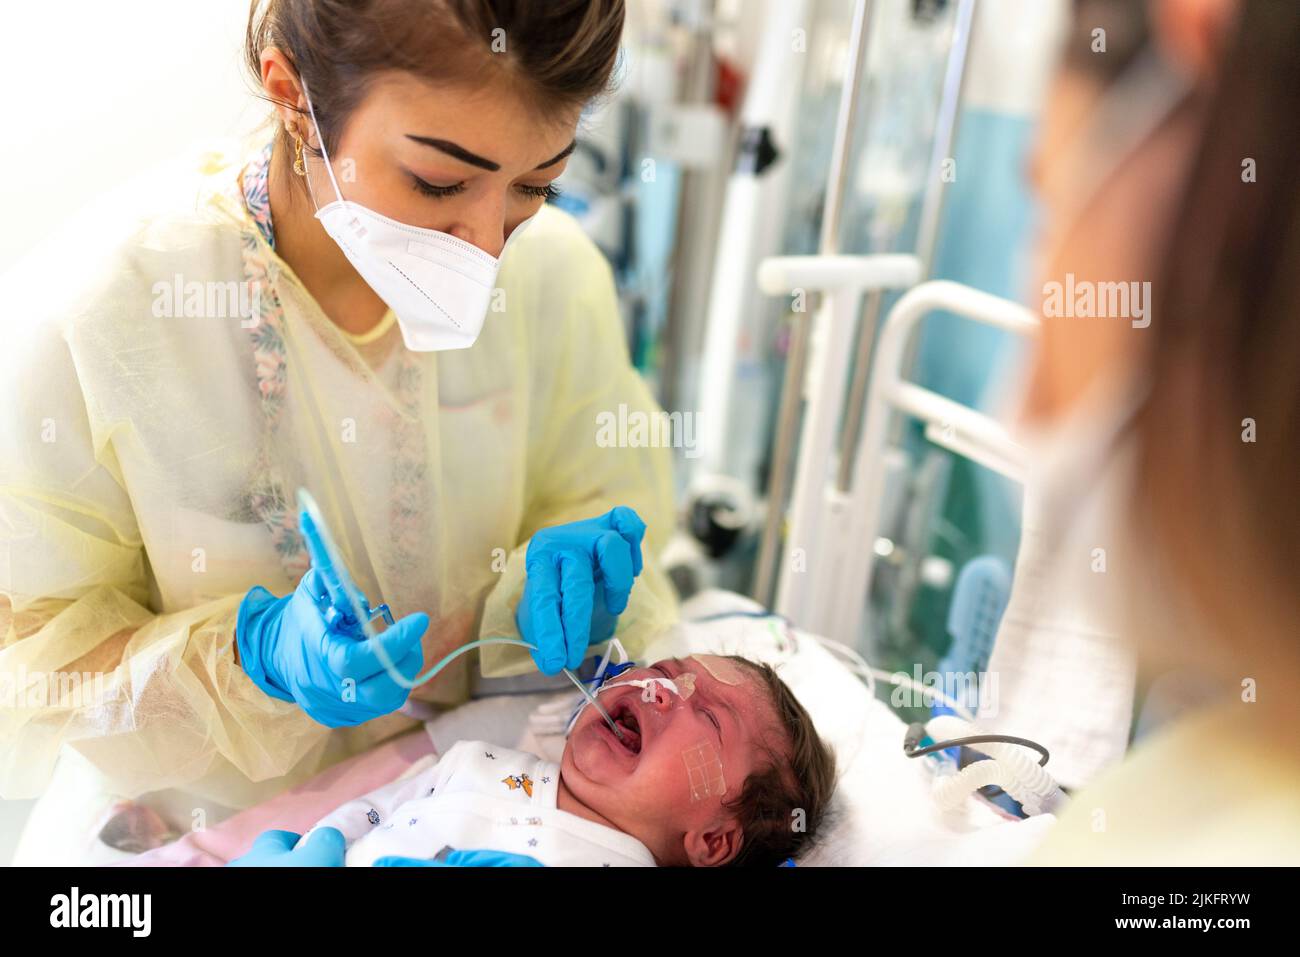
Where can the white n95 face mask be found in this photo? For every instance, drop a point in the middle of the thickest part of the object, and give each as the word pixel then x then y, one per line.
pixel 439 287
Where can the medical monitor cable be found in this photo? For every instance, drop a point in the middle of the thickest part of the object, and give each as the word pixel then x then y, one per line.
pixel 912 751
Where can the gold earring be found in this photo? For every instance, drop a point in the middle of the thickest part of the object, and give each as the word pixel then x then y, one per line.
pixel 298 167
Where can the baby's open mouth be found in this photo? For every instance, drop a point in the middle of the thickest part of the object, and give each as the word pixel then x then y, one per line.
pixel 626 719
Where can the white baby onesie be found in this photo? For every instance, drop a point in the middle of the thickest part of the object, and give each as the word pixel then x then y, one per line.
pixel 479 796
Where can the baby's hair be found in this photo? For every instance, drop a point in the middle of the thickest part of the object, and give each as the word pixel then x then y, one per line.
pixel 781 806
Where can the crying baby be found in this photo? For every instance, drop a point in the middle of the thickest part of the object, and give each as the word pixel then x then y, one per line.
pixel 715 763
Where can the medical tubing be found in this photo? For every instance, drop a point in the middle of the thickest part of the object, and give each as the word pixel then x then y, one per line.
pixel 952 789
pixel 1018 774
pixel 591 699
pixel 1035 789
pixel 901 680
pixel 858 664
pixel 971 740
pixel 455 653
pixel 1025 775
pixel 405 682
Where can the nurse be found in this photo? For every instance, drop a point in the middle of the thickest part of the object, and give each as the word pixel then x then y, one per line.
pixel 351 304
pixel 1172 158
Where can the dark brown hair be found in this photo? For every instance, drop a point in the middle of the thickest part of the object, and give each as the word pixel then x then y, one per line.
pixel 1227 349
pixel 1126 25
pixel 781 806
pixel 1225 338
pixel 558 53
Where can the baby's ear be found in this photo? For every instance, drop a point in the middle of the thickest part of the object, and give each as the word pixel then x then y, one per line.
pixel 715 845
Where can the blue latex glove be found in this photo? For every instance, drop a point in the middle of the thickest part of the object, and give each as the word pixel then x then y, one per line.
pixel 464 859
pixel 325 848
pixel 579 579
pixel 331 671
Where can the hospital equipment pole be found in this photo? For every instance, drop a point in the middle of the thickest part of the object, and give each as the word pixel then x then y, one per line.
pixel 927 232
pixel 792 388
pixel 698 212
pixel 945 130
pixel 936 190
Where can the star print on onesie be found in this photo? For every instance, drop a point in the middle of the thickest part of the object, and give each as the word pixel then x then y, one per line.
pixel 516 781
pixel 461 800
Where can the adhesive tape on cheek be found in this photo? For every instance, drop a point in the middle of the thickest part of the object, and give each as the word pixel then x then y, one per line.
pixel 704 772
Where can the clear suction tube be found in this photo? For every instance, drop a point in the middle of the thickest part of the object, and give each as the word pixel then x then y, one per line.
pixel 429 675
pixel 329 564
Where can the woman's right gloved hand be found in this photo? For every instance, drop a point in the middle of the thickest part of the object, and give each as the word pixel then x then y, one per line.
pixel 333 673
pixel 463 859
pixel 325 848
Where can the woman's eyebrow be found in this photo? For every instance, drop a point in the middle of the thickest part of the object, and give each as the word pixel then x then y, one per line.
pixel 559 156
pixel 457 152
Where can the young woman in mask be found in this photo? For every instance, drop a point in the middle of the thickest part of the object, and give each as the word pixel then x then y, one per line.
pixel 349 304
pixel 1172 157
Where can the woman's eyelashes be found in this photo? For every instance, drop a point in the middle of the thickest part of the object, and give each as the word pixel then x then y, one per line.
pixel 548 193
pixel 437 192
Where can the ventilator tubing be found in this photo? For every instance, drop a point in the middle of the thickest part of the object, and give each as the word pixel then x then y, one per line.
pixel 1011 767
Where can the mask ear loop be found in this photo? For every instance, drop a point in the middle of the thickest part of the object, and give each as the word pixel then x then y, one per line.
pixel 329 166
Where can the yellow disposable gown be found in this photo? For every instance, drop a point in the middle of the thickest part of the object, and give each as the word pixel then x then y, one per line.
pixel 1216 789
pixel 167 383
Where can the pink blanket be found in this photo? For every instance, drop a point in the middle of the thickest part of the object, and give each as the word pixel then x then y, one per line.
pixel 294 810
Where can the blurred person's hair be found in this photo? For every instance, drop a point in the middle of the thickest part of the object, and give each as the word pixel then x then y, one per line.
pixel 1225 338
pixel 1127 28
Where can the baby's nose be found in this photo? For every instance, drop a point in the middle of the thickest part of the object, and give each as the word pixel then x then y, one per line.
pixel 657 695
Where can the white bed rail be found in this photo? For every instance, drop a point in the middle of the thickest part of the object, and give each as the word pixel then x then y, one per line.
pixel 825 588
pixel 842 282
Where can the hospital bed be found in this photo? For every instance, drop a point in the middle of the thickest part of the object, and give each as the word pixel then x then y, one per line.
pixel 881 813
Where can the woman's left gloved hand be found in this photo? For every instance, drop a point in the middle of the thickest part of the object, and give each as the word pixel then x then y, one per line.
pixel 579 579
